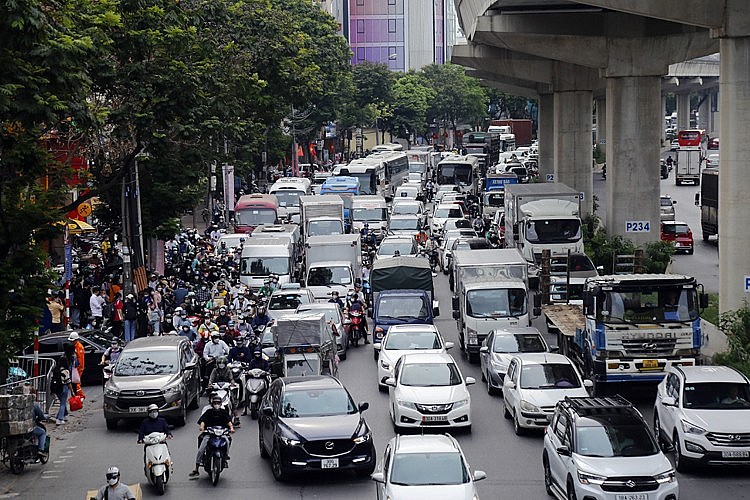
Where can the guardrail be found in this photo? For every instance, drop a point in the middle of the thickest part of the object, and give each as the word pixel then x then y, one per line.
pixel 20 376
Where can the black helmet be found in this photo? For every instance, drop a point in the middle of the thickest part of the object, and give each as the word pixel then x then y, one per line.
pixel 215 399
pixel 258 352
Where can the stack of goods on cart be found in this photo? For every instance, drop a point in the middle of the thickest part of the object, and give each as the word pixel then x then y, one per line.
pixel 16 414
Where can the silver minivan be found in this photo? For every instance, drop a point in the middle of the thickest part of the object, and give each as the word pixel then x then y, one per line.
pixel 153 370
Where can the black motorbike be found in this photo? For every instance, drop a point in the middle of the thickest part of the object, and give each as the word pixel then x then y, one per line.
pixel 215 457
pixel 18 451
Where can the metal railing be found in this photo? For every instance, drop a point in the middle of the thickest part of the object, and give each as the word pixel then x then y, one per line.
pixel 20 375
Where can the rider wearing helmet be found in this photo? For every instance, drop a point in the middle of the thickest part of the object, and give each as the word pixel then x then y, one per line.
pixel 153 423
pixel 221 373
pixel 267 289
pixel 223 317
pixel 214 416
pixel 261 317
pixel 258 361
pixel 112 354
pixel 335 299
pixel 114 489
pixel 215 348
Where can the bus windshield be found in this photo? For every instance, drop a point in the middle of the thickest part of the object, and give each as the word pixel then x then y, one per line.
pixel 454 173
pixel 255 216
pixel 367 184
pixel 288 198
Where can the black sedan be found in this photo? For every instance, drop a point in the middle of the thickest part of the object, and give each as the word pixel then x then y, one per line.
pixel 311 424
pixel 95 342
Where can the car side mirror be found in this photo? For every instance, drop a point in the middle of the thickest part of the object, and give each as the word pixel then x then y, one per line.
pixel 704 300
pixel 470 380
pixel 390 382
pixel 588 384
pixel 484 349
pixel 479 475
pixel 554 348
pixel 509 384
pixel 668 401
pixel 378 477
pixel 563 450
pixel 267 411
pixel 377 346
pixel 697 199
pixel 449 345
pixel 364 405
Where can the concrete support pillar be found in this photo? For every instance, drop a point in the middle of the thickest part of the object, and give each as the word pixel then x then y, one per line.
pixel 634 117
pixel 546 135
pixel 683 111
pixel 704 112
pixel 734 181
pixel 662 119
pixel 573 153
pixel 601 122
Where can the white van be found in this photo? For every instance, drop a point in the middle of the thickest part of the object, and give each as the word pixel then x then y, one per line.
pixel 287 191
pixel 262 257
pixel 370 209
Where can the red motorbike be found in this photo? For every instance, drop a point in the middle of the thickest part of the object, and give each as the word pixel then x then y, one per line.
pixel 356 327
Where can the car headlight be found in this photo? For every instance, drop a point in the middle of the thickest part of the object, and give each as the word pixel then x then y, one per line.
pixel 112 393
pixel 385 365
pixel 689 428
pixel 363 439
pixel 588 478
pixel 526 406
pixel 406 404
pixel 460 404
pixel 172 389
pixel 500 366
pixel 289 441
pixel 665 477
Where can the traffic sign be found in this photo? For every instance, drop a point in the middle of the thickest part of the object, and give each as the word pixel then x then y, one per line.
pixel 550 177
pixel 637 226
pixel 747 284
pixel 84 209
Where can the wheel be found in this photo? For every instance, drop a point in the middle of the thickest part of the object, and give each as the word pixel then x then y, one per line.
pixel 690 252
pixel 261 447
pixel 16 465
pixel 342 356
pixel 111 423
pixel 182 417
pixel 375 354
pixel 44 458
pixel 159 484
pixel 657 430
pixel 506 413
pixel 215 470
pixel 366 471
pixel 547 475
pixel 571 490
pixel 706 236
pixel 520 431
pixel 484 379
pixel 276 466
pixel 473 357
pixel 680 462
pixel 195 402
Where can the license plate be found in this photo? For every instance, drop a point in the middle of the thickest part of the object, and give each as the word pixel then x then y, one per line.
pixel 735 454
pixel 633 496
pixel 329 463
pixel 137 409
pixel 650 363
pixel 434 418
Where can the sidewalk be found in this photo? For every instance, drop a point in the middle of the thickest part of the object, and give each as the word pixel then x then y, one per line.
pixel 714 341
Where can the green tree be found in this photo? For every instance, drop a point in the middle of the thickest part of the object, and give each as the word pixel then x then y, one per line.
pixel 411 102
pixel 507 105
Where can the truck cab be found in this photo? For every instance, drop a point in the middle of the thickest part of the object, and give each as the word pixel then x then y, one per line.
pixel 402 307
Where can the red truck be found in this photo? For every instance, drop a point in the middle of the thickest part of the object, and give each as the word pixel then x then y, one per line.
pixel 521 128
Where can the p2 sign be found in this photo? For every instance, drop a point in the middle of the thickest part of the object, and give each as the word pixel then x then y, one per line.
pixel 637 226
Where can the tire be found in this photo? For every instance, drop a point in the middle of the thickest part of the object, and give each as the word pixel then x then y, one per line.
pixel 342 356
pixel 375 354
pixel 680 462
pixel 571 490
pixel 547 475
pixel 181 419
pixel 261 447
pixel 16 465
pixel 277 468
pixel 366 471
pixel 473 357
pixel 490 390
pixel 690 252
pixel 111 424
pixel 44 458
pixel 215 470
pixel 195 402
pixel 520 431
pixel 484 378
pixel 506 413
pixel 159 485
pixel 657 431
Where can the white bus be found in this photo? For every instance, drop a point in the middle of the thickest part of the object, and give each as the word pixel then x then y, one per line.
pixel 389 146
pixel 461 171
pixel 288 190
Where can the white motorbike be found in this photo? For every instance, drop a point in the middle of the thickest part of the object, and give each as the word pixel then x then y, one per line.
pixel 157 462
pixel 257 384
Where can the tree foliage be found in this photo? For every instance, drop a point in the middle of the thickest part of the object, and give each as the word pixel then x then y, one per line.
pixel 458 97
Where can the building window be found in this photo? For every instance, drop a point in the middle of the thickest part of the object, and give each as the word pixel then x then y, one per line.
pixel 360 25
pixel 360 53
pixel 391 25
pixel 360 3
pixel 391 2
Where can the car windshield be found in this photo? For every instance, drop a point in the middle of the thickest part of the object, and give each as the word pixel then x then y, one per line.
pixel 671 304
pixel 288 198
pixel 316 403
pixel 614 436
pixel 421 469
pixel 665 202
pixel 255 216
pixel 263 266
pixel 496 302
pixel 553 230
pixel 448 213
pixel 430 374
pixel 411 224
pixel 404 308
pixel 518 342
pixel 549 376
pixel 403 341
pixel 494 199
pixel 676 229
pixel 284 301
pixel 405 209
pixel 370 214
pixel 156 362
pixel 324 276
pixel 324 227
pixel 406 247
pixel 717 396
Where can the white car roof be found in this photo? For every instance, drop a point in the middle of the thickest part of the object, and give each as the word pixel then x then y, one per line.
pixel 428 443
pixel 698 374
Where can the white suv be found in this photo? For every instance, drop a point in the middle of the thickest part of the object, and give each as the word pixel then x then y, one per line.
pixel 703 414
pixel 602 449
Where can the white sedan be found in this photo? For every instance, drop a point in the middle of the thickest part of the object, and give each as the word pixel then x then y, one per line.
pixel 405 339
pixel 534 384
pixel 428 390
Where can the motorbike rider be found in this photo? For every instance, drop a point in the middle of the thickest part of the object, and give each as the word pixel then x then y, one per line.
pixel 368 237
pixel 222 373
pixel 260 318
pixel 259 361
pixel 214 416
pixel 670 161
pixel 335 299
pixel 223 317
pixel 266 290
pixel 215 348
pixel 357 305
pixel 421 236
pixel 241 303
pixel 112 353
pixel 208 327
pixel 430 190
pixel 241 351
pixel 114 489
pixel 153 423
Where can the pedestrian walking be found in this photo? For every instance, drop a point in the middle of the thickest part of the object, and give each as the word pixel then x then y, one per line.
pixel 96 304
pixel 61 386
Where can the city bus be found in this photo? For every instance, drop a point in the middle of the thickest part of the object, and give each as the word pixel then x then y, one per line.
pixel 458 171
pixel 287 191
pixel 252 210
pixel 369 174
pixel 389 146
pixel 694 137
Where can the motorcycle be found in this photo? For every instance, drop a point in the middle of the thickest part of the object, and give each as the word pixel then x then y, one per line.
pixel 18 451
pixel 157 462
pixel 257 384
pixel 216 452
pixel 239 375
pixel 224 390
pixel 356 324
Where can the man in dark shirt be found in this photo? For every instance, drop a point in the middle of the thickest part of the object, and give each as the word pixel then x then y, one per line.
pixel 154 423
pixel 215 416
